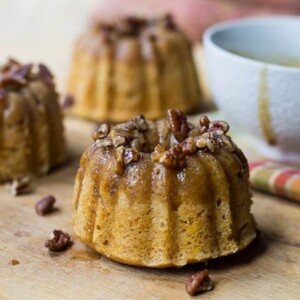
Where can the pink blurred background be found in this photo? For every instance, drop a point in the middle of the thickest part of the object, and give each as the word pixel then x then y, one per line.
pixel 194 16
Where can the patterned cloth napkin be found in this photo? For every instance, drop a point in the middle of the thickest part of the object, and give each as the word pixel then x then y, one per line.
pixel 276 178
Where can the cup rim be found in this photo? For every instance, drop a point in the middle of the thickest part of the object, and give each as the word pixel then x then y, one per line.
pixel 231 24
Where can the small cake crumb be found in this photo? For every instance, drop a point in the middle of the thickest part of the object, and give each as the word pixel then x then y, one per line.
pixel 14 262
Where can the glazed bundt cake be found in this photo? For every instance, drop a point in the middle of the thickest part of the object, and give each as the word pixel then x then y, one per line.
pixel 163 193
pixel 131 67
pixel 31 130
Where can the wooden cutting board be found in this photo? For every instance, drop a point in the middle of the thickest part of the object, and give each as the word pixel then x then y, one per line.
pixel 268 269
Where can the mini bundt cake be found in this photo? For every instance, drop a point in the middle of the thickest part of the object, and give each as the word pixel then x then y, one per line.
pixel 163 193
pixel 31 130
pixel 131 67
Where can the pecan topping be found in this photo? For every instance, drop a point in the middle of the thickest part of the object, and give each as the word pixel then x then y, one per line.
pixel 138 123
pixel 199 282
pixel 173 158
pixel 119 140
pixel 178 124
pixel 102 132
pixel 45 205
pixel 104 143
pixel 204 124
pixel 220 127
pixel 169 22
pixel 45 74
pixel 189 146
pixel 20 186
pixel 22 71
pixel 12 81
pixel 2 94
pixel 130 156
pixel 60 241
pixel 68 102
pixel 124 157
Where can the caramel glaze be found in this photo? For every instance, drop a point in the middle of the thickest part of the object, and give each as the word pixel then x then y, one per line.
pixel 31 130
pixel 156 216
pixel 264 108
pixel 115 76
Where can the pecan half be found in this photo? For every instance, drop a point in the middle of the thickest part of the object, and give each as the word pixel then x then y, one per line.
pixel 204 124
pixel 199 282
pixel 60 241
pixel 178 124
pixel 45 205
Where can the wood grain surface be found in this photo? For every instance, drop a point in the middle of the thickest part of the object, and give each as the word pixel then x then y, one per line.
pixel 268 269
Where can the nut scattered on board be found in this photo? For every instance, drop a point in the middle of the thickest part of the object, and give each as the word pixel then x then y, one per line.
pixel 14 262
pixel 20 186
pixel 45 205
pixel 60 241
pixel 199 282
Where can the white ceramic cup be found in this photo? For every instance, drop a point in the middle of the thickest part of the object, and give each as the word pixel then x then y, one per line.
pixel 262 98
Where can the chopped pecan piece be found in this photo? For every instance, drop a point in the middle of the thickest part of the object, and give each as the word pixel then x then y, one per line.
pixel 199 282
pixel 102 132
pixel 60 241
pixel 189 146
pixel 45 205
pixel 119 140
pixel 138 123
pixel 103 143
pixel 12 82
pixel 22 71
pixel 20 186
pixel 45 74
pixel 169 22
pixel 173 158
pixel 124 157
pixel 130 156
pixel 178 124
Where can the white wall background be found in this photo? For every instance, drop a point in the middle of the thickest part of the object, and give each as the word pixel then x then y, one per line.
pixel 42 31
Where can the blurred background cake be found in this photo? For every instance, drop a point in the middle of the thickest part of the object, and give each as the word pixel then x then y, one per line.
pixel 133 66
pixel 31 130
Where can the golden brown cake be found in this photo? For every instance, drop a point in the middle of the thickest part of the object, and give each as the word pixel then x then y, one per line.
pixel 31 130
pixel 131 67
pixel 163 193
